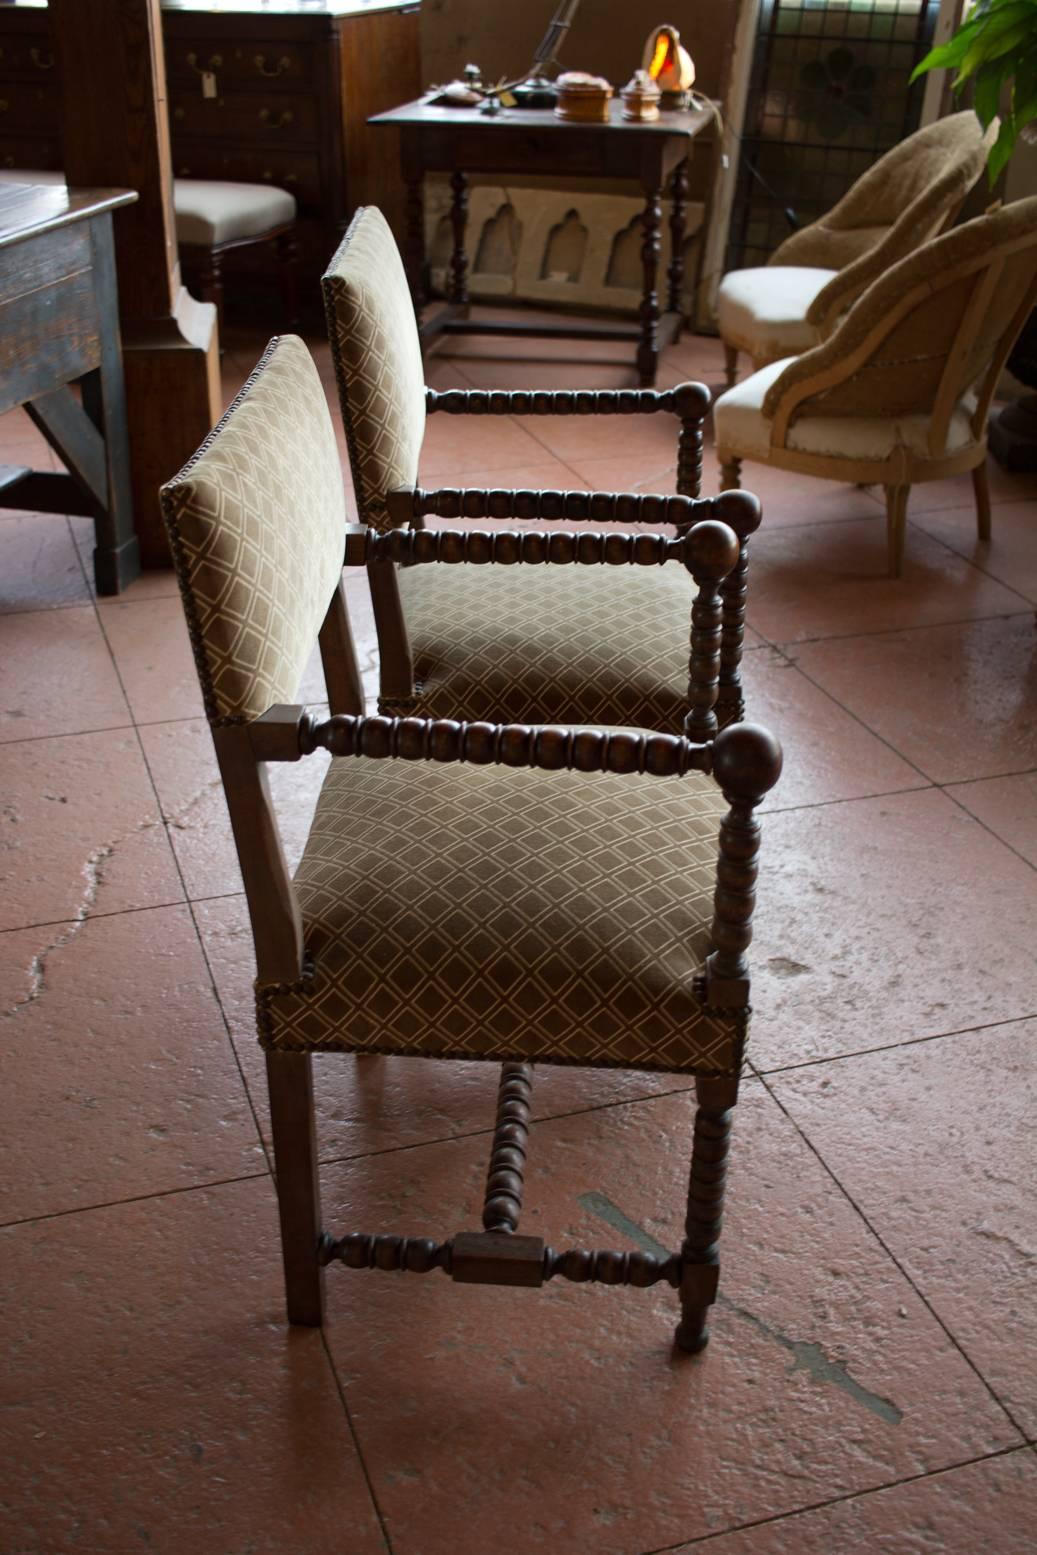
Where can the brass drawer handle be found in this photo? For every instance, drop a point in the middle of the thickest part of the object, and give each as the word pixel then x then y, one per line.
pixel 274 120
pixel 4 105
pixel 42 61
pixel 283 64
pixel 268 177
pixel 215 63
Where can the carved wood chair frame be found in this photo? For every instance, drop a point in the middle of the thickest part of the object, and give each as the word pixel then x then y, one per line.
pixel 408 506
pixel 744 761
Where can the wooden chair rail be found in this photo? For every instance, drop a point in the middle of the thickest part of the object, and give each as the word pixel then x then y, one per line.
pixel 745 759
pixel 482 1258
pixel 690 401
pixel 739 509
pixel 709 549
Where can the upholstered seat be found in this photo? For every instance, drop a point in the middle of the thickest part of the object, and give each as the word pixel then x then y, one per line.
pixel 595 645
pixel 488 913
pixel 764 310
pixel 743 423
pixel 209 212
pixel 900 392
pixel 570 645
pixel 907 196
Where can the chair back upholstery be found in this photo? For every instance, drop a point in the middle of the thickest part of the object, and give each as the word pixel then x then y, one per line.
pixel 928 337
pixel 913 192
pixel 256 522
pixel 378 367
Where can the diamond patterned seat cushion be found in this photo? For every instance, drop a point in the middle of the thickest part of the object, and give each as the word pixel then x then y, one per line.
pixel 487 912
pixel 529 644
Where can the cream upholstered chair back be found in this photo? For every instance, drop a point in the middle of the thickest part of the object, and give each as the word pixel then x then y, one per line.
pixel 257 527
pixel 377 355
pixel 909 194
pixel 928 338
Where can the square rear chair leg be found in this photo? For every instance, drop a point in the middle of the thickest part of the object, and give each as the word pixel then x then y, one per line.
pixel 290 1082
pixel 700 1260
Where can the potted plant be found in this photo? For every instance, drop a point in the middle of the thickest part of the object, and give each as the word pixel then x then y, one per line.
pixel 995 49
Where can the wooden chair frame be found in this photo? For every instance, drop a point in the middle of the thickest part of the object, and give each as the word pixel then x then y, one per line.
pixel 903 468
pixel 745 761
pixel 408 507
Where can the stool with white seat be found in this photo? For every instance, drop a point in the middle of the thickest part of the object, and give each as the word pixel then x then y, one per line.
pixel 213 217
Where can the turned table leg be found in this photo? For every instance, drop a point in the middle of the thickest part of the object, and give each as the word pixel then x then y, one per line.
pixel 415 242
pixel 678 228
pixel 459 223
pixel 648 349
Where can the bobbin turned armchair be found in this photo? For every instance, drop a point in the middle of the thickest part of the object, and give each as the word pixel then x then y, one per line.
pixel 567 645
pixel 794 302
pixel 901 392
pixel 555 947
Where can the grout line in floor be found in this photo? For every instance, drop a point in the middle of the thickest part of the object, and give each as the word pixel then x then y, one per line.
pixel 889 1047
pixel 134 1198
pixel 351 1428
pixel 820 1506
pixel 194 919
pixel 971 560
pixel 789 644
pixel 887 1249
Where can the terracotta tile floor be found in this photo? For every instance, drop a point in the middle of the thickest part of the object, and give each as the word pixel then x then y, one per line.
pixel 870 1387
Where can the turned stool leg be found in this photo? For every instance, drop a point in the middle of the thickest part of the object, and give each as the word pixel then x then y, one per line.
pixel 730 365
pixel 288 275
pixel 210 286
pixel 700 1261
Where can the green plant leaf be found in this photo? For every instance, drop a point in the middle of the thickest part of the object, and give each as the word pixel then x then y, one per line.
pixel 983 51
pixel 946 54
pixel 1001 150
pixel 987 100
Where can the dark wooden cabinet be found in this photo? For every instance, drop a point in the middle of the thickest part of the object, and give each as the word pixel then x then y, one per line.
pixel 265 93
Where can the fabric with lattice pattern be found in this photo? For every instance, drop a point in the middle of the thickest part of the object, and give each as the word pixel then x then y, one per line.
pixel 377 355
pixel 486 912
pixel 256 522
pixel 550 644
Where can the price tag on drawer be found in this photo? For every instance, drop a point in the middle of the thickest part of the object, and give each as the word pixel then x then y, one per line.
pixel 208 83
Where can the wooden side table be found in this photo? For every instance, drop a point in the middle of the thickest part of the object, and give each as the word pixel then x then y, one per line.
pixel 59 324
pixel 522 141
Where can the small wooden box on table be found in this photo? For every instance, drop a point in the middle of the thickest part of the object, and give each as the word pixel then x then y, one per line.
pixel 523 141
pixel 59 325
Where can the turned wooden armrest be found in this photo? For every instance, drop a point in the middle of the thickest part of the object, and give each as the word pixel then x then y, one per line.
pixel 709 549
pixel 407 505
pixel 746 760
pixel 689 401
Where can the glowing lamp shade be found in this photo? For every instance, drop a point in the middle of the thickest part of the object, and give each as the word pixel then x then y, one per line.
pixel 669 65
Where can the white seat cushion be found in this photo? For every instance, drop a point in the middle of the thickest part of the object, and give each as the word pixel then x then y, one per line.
pixel 764 311
pixel 744 431
pixel 208 213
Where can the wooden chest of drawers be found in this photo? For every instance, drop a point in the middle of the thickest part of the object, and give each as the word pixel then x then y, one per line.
pixel 264 93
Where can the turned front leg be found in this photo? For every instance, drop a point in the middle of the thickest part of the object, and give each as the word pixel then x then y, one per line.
pixel 648 349
pixel 700 1257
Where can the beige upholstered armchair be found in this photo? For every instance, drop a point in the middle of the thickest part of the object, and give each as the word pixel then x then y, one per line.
pixel 467 890
pixel 901 391
pixel 795 300
pixel 570 645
